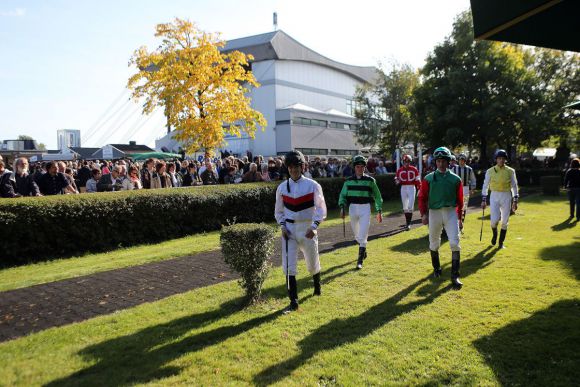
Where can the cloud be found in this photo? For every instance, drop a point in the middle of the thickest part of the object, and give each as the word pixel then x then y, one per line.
pixel 18 12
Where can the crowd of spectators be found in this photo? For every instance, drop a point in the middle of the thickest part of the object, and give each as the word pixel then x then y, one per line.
pixel 74 177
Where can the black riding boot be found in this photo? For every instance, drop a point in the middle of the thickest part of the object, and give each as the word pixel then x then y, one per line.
pixel 362 254
pixel 408 218
pixel 455 259
pixel 436 264
pixel 316 278
pixel 494 237
pixel 502 237
pixel 292 294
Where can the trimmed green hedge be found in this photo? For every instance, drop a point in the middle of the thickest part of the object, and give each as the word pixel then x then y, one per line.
pixel 36 229
pixel 246 248
pixel 526 177
pixel 551 185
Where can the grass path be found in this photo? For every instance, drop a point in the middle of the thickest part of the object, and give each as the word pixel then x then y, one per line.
pixel 514 322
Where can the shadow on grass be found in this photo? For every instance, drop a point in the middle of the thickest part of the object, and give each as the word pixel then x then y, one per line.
pixel 419 245
pixel 566 224
pixel 568 254
pixel 541 350
pixel 141 357
pixel 340 332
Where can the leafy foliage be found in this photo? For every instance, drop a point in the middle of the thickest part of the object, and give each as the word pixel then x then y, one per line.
pixel 385 109
pixel 489 94
pixel 202 89
pixel 247 249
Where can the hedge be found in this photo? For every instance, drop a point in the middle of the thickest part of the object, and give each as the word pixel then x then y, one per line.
pixel 36 229
pixel 526 177
pixel 247 249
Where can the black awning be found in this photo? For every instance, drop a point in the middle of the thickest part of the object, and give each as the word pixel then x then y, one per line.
pixel 543 23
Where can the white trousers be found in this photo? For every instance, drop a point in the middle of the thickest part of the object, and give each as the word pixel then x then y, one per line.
pixel 438 219
pixel 500 204
pixel 360 221
pixel 298 240
pixel 408 197
pixel 466 192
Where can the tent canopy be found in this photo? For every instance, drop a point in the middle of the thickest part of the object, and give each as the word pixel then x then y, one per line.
pixel 544 152
pixel 543 23
pixel 155 155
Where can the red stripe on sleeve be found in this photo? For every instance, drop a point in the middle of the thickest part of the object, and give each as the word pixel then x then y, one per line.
pixel 424 197
pixel 459 200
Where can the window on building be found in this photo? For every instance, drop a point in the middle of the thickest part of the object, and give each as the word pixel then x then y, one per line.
pixel 343 125
pixel 344 152
pixel 284 122
pixel 351 107
pixel 313 151
pixel 308 122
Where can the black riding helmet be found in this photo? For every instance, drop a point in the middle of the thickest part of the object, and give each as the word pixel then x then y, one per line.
pixel 294 158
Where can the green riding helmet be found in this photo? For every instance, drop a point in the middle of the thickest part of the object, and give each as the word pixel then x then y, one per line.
pixel 359 160
pixel 442 153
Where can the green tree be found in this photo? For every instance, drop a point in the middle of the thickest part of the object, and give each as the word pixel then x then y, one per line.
pixel 384 109
pixel 480 94
pixel 559 75
pixel 202 90
pixel 23 137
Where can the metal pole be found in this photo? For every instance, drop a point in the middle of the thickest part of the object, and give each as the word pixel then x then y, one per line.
pixel 287 265
pixel 420 160
pixel 398 158
pixel 482 216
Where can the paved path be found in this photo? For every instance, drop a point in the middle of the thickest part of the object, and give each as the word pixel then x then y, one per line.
pixel 32 309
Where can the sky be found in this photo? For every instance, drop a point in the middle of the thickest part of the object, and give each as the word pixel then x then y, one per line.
pixel 64 63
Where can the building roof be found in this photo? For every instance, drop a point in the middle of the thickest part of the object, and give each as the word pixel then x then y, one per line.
pixel 280 46
pixel 299 106
pixel 133 148
pixel 84 153
pixel 334 112
pixel 117 154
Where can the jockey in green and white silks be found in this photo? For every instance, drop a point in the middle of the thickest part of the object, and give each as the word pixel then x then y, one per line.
pixel 358 193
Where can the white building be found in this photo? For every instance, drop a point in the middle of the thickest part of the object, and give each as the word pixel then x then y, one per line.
pixel 306 98
pixel 67 138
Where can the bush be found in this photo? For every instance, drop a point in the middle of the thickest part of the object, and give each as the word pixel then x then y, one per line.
pixel 550 185
pixel 36 229
pixel 247 248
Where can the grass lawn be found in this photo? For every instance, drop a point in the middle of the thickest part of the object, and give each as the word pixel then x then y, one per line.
pixel 58 269
pixel 515 322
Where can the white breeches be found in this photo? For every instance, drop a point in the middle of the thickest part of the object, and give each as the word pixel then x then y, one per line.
pixel 466 192
pixel 408 197
pixel 443 217
pixel 360 221
pixel 298 240
pixel 500 204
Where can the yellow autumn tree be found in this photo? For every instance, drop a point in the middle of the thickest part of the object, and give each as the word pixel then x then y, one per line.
pixel 203 91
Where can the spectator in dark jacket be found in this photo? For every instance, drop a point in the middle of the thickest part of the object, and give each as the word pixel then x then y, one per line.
pixel 191 177
pixel 54 182
pixel 25 184
pixel 7 183
pixel 208 177
pixel 572 184
pixel 84 174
